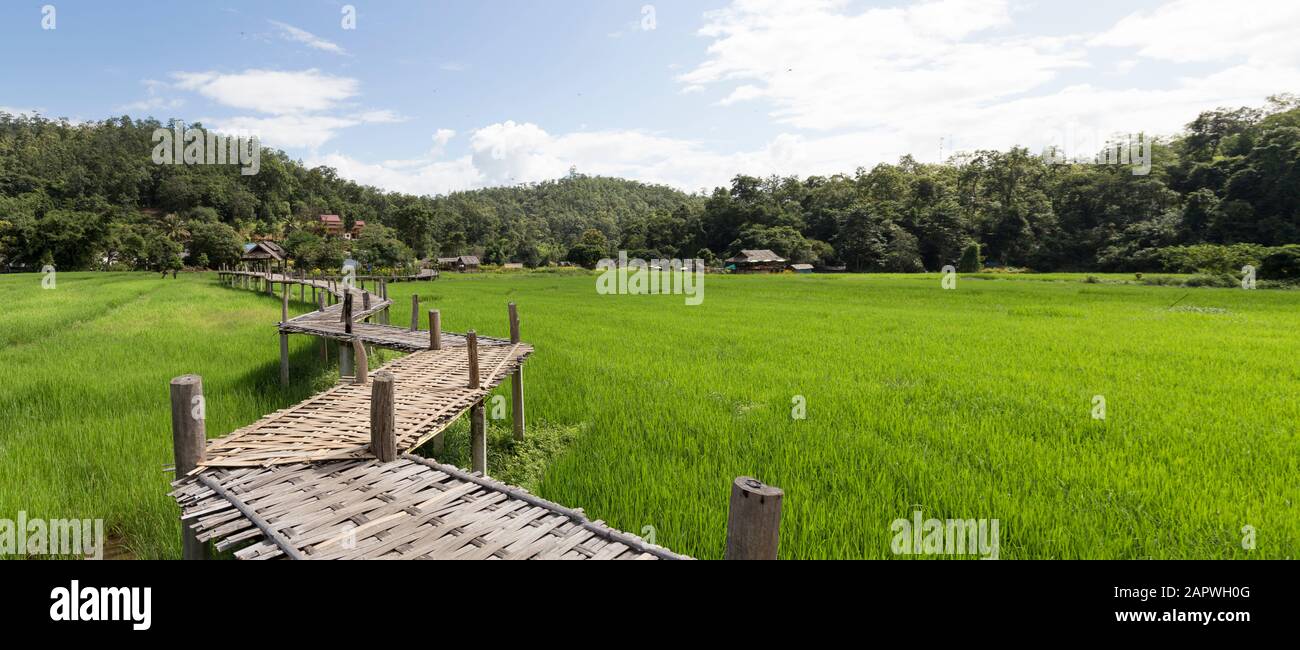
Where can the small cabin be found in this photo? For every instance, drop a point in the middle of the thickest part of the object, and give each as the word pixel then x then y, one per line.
pixel 801 268
pixel 357 227
pixel 756 261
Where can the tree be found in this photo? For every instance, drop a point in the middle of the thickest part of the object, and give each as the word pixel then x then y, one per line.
pixel 216 243
pixel 378 247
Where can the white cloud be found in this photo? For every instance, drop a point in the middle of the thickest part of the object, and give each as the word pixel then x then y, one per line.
pixel 291 33
pixel 1187 31
pixel 509 153
pixel 271 91
pixel 822 66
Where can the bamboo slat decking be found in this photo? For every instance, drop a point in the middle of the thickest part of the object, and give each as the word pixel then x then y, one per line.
pixel 411 508
pixel 304 482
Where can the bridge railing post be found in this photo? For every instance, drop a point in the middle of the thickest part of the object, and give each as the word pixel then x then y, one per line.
pixel 435 329
pixel 516 379
pixel 362 361
pixel 415 312
pixel 383 424
pixel 189 445
pixel 753 520
pixel 477 419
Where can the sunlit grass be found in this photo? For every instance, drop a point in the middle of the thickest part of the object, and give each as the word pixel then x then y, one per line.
pixel 974 403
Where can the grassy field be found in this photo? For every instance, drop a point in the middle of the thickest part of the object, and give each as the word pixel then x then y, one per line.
pixel 973 403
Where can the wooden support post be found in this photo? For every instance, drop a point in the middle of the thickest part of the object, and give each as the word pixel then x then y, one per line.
pixel 383 418
pixel 478 437
pixel 362 361
pixel 383 293
pixel 435 329
pixel 415 312
pixel 189 443
pixel 347 313
pixel 302 292
pixel 284 358
pixel 516 379
pixel 284 306
pixel 754 520
pixel 471 348
pixel 345 359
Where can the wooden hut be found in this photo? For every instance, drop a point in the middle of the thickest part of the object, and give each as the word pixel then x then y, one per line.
pixel 264 255
pixel 757 261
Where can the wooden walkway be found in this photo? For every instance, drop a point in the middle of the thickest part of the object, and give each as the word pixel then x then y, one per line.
pixel 311 481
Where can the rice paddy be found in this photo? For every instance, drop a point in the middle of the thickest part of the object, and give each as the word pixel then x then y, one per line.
pixel 967 404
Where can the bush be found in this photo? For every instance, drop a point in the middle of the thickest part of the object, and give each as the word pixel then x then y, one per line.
pixel 1282 263
pixel 1211 258
pixel 1220 280
pixel 970 259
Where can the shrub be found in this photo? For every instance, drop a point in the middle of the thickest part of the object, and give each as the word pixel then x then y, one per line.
pixel 1282 263
pixel 1211 258
pixel 1221 280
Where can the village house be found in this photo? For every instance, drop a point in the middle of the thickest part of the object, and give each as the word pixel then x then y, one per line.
pixel 331 224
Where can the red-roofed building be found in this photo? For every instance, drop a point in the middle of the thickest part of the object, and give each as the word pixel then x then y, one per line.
pixel 332 224
pixel 357 227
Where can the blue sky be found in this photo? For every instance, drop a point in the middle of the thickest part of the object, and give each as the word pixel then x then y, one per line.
pixel 430 97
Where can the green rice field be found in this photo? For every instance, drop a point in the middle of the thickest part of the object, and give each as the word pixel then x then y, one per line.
pixel 971 403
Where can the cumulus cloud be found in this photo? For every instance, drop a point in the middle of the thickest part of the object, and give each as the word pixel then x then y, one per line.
pixel 822 65
pixel 1186 31
pixel 271 91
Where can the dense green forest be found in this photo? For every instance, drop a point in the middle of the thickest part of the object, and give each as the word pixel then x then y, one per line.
pixel 1224 192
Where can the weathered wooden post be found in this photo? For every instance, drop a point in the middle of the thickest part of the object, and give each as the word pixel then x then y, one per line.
pixel 415 312
pixel 471 347
pixel 324 342
pixel 284 338
pixel 383 418
pixel 435 329
pixel 383 293
pixel 365 303
pixel 753 520
pixel 346 359
pixel 362 361
pixel 516 379
pixel 189 444
pixel 477 414
pixel 347 313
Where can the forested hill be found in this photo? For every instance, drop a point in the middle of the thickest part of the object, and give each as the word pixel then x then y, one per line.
pixel 88 195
